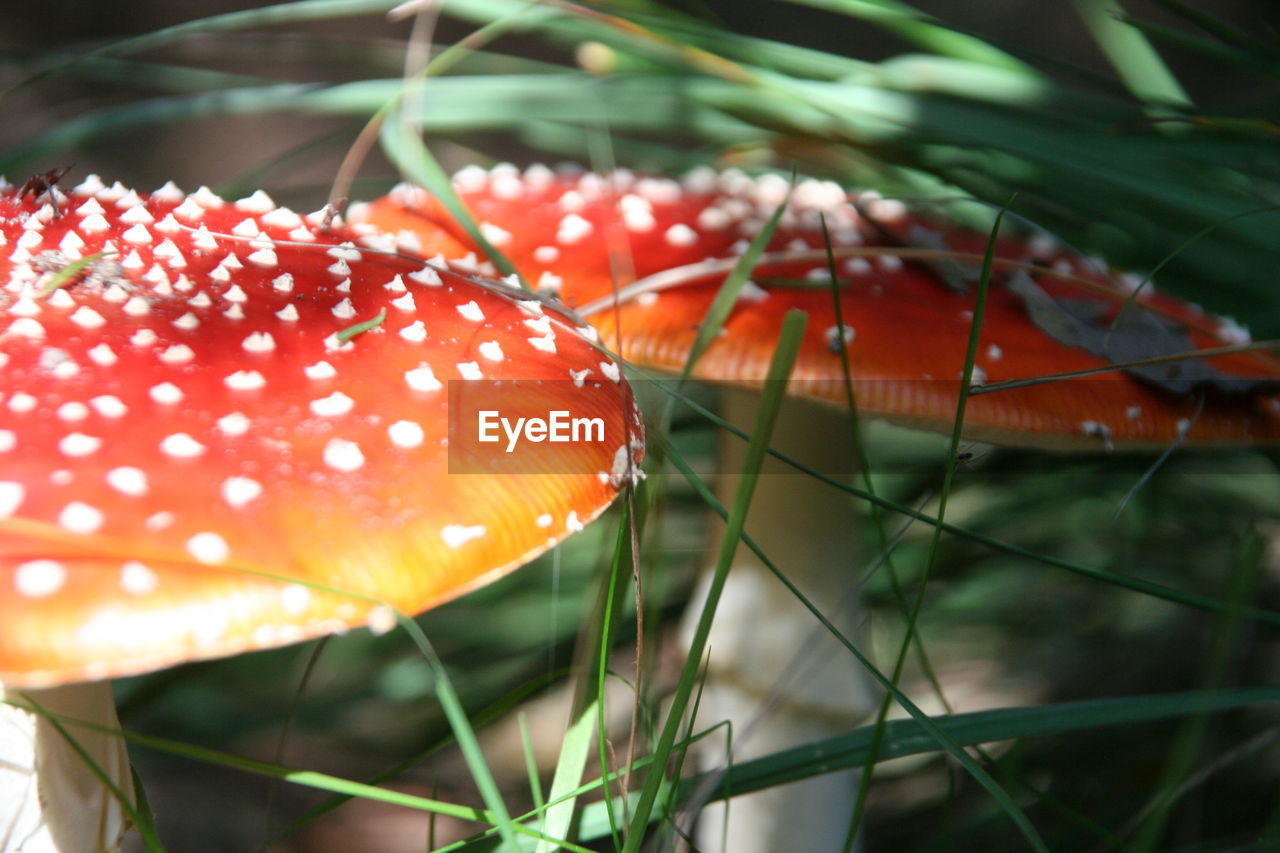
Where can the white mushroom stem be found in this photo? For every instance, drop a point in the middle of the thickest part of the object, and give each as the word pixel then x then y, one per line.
pixel 51 801
pixel 774 673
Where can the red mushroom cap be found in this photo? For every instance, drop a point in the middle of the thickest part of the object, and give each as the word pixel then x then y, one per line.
pixel 907 293
pixel 195 460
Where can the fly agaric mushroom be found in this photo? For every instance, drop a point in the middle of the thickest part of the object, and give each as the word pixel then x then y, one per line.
pixel 642 258
pixel 223 427
pixel 906 288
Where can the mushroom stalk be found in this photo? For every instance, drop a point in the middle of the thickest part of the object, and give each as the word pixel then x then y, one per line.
pixel 51 801
pixel 774 673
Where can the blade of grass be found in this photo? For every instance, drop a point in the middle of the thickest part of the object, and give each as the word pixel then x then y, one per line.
pixel 727 296
pixel 779 370
pixel 1132 56
pixel 530 762
pixel 620 571
pixel 456 714
pixel 906 737
pixel 916 27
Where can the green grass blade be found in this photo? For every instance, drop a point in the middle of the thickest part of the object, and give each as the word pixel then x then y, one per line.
pixel 918 28
pixel 727 296
pixel 906 737
pixel 779 370
pixel 575 748
pixel 1132 56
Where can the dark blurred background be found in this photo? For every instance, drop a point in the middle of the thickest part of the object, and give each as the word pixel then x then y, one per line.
pixel 231 152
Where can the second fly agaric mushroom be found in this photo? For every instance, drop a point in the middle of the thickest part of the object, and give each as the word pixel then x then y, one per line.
pixel 642 258
pixel 224 427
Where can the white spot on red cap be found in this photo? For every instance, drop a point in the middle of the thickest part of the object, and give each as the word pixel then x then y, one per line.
pixel 457 535
pixel 143 338
pixel 190 210
pixel 259 342
pixel 159 521
pixel 573 228
pixel 343 455
pixel 245 380
pixel 208 548
pixel 491 350
pixel 611 370
pixel 405 434
pixel 259 202
pixel 181 446
pixel 26 327
pixel 415 332
pixel 421 378
pixel 165 393
pixel 281 217
pixel 79 444
pixel 334 405
pixel 109 406
pixel 680 235
pixel 238 491
pixel 265 258
pixel 469 370
pixel 137 235
pixel 344 310
pixel 137 578
pixel 39 578
pixel 494 234
pixel 128 480
pixel 94 224
pixel 320 370
pixel 11 496
pixel 177 354
pixel 471 311
pixel 380 620
pixel 73 411
pixel 295 599
pixel 427 276
pixel 79 517
pixel 234 424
